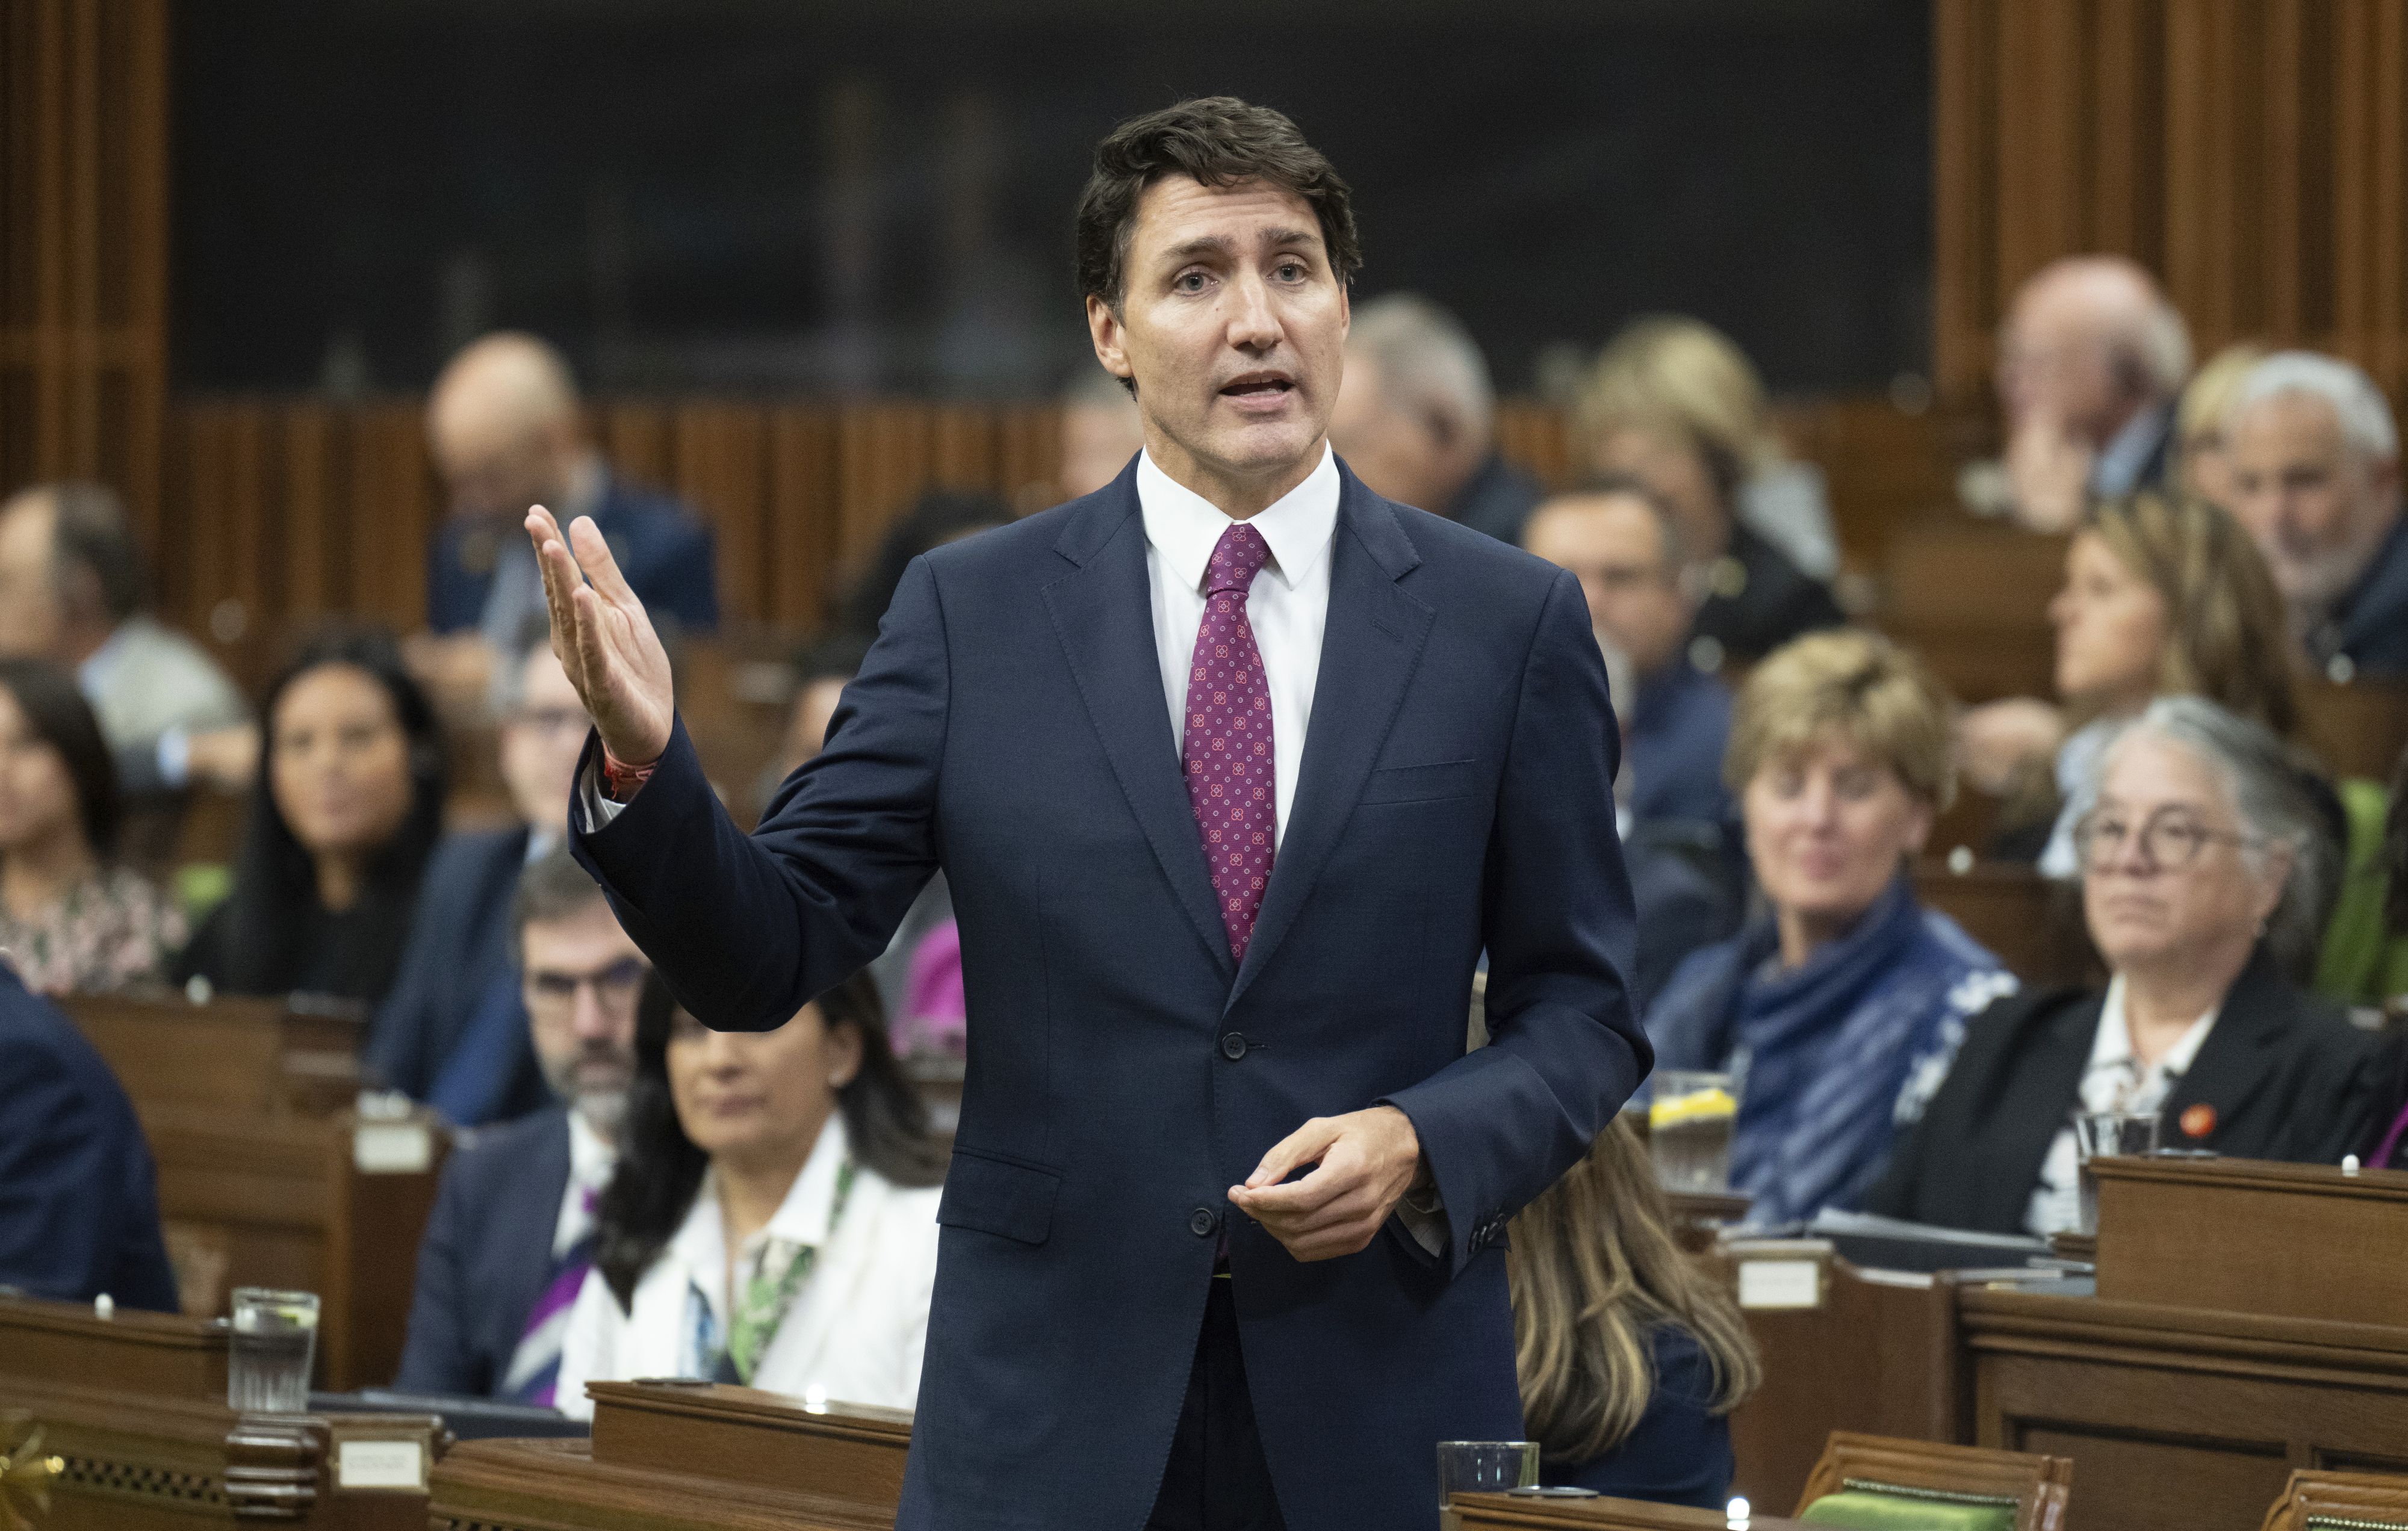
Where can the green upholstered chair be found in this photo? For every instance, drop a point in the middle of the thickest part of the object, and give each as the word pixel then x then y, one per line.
pixel 1877 1483
pixel 2341 1501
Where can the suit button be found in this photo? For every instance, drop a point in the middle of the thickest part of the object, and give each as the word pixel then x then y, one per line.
pixel 1202 1221
pixel 1233 1046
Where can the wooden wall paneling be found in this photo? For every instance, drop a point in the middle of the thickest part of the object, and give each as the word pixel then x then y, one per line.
pixel 634 434
pixel 883 453
pixel 308 432
pixel 1032 457
pixel 1538 436
pixel 722 470
pixel 805 518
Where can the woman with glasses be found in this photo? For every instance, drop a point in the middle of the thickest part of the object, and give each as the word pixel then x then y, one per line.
pixel 772 1221
pixel 2205 867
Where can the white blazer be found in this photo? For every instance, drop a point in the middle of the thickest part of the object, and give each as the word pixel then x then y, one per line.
pixel 857 1326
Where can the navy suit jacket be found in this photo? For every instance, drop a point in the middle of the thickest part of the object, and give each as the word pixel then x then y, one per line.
pixel 664 549
pixel 485 1258
pixel 79 1206
pixel 1009 724
pixel 459 944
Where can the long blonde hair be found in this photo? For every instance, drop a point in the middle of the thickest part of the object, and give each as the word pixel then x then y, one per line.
pixel 1594 1269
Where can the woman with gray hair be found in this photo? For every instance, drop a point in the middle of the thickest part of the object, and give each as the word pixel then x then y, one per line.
pixel 2204 864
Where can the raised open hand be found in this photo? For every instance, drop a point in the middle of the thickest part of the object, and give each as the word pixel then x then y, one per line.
pixel 604 640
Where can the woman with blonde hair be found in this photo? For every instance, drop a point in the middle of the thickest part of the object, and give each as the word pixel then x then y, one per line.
pixel 1842 1004
pixel 1630 1357
pixel 1674 403
pixel 2202 447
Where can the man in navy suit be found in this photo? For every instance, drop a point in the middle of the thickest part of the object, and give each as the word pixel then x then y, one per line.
pixel 511 1238
pixel 79 1206
pixel 1235 769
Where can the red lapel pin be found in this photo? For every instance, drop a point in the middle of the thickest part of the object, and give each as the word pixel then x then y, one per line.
pixel 2199 1121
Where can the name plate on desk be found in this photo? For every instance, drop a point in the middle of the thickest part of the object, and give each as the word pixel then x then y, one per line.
pixel 1781 1273
pixel 2240 1236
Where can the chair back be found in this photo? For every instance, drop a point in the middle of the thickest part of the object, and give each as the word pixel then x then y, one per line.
pixel 1879 1484
pixel 2341 1501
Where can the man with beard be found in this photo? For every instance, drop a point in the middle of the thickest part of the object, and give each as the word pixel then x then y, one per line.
pixel 510 1239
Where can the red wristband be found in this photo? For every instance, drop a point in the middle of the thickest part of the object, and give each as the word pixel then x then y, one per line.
pixel 620 779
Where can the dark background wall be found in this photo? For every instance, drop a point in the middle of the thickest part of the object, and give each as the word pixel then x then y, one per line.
pixel 722 196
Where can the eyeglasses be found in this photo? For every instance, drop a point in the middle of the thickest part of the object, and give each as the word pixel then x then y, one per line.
pixel 614 987
pixel 2170 839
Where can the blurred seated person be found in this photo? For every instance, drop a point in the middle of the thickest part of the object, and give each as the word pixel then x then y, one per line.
pixel 773 1218
pixel 1417 418
pixel 2364 961
pixel 1101 433
pixel 511 1237
pixel 822 671
pixel 2391 1151
pixel 2203 863
pixel 504 428
pixel 452 1031
pixel 1623 541
pixel 2163 597
pixel 1673 404
pixel 79 1206
pixel 72 592
pixel 1631 1355
pixel 69 919
pixel 2091 358
pixel 342 819
pixel 2315 477
pixel 1842 1006
pixel 937 517
pixel 2202 447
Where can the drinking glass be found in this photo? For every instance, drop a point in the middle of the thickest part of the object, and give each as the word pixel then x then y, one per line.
pixel 275 1337
pixel 1486 1466
pixel 2099 1135
pixel 1689 1128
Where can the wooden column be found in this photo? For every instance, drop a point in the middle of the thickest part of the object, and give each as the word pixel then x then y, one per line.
pixel 83 244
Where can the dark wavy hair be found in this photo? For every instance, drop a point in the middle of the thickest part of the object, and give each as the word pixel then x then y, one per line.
pixel 1213 140
pixel 660 1168
pixel 275 879
pixel 62 719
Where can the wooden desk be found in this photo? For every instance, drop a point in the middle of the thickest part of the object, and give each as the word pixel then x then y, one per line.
pixel 685 1457
pixel 137 1407
pixel 2359 729
pixel 1479 1512
pixel 266 1177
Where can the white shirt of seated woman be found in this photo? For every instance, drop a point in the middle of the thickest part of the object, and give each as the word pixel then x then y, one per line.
pixel 795 1265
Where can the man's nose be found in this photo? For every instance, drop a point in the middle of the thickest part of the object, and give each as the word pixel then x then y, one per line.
pixel 591 1016
pixel 1252 324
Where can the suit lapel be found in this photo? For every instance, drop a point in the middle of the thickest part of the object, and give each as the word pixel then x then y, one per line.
pixel 2232 1063
pixel 1101 613
pixel 2041 1088
pixel 1369 648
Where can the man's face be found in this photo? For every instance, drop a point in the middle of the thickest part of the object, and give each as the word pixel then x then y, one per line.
pixel 494 467
pixel 581 975
pixel 1234 327
pixel 1395 453
pixel 540 741
pixel 2057 366
pixel 32 620
pixel 2315 508
pixel 1612 544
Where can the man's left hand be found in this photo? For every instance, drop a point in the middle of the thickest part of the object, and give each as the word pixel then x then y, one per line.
pixel 1363 1164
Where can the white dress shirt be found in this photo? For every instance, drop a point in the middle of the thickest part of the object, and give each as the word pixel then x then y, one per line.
pixel 1288 605
pixel 591 1159
pixel 2115 1080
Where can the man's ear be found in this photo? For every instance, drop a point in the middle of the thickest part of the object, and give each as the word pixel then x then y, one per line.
pixel 1104 328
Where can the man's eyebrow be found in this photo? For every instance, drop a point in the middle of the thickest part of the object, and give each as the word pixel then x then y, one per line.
pixel 1220 244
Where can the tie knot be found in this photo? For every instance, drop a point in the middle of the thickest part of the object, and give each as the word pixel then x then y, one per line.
pixel 1236 558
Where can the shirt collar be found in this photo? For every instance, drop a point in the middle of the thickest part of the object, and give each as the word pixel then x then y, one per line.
pixel 2113 1044
pixel 1184 528
pixel 701 1241
pixel 591 1156
pixel 93 676
pixel 2117 470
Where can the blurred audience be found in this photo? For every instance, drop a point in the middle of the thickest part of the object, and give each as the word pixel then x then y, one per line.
pixel 342 819
pixel 1842 1004
pixel 2315 477
pixel 1102 432
pixel 79 1205
pixel 936 518
pixel 1673 404
pixel 511 1237
pixel 452 1032
pixel 2203 864
pixel 772 1221
pixel 1631 1355
pixel 70 919
pixel 504 426
pixel 1417 418
pixel 1623 541
pixel 2202 445
pixel 72 592
pixel 2391 1151
pixel 822 671
pixel 2163 597
pixel 2091 358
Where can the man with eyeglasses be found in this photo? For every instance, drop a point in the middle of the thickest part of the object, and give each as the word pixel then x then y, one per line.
pixel 511 1238
pixel 455 1006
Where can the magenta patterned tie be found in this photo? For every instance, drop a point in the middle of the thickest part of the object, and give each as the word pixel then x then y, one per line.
pixel 1228 752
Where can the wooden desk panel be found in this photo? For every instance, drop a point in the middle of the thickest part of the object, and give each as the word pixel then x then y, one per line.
pixel 1505 1512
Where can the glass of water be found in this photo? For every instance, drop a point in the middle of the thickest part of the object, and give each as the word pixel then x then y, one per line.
pixel 1485 1466
pixel 1689 1127
pixel 2100 1135
pixel 275 1339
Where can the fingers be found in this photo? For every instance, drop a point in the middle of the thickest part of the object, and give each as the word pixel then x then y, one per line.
pixel 594 556
pixel 559 577
pixel 1304 1146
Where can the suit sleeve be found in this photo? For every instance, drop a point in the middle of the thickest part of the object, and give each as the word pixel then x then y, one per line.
pixel 435 1358
pixel 57 1238
pixel 1500 1125
pixel 746 931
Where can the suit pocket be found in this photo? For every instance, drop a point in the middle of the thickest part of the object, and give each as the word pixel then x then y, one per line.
pixel 1430 783
pixel 1000 1197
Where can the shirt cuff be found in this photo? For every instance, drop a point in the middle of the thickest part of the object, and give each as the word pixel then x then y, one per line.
pixel 1424 1218
pixel 175 757
pixel 599 806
